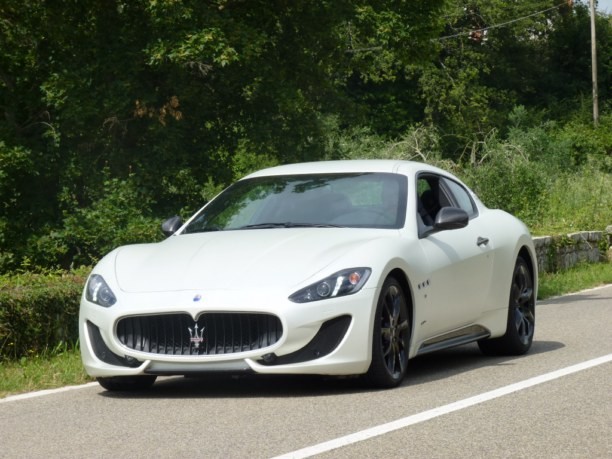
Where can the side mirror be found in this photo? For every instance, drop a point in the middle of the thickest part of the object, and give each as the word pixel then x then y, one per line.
pixel 450 218
pixel 171 226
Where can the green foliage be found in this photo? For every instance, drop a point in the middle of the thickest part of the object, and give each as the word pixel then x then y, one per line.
pixel 14 162
pixel 38 312
pixel 578 201
pixel 417 143
pixel 589 144
pixel 539 174
pixel 114 116
pixel 504 176
pixel 539 140
pixel 117 215
pixel 511 183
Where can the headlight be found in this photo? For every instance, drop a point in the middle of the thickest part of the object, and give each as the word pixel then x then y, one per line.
pixel 99 292
pixel 345 282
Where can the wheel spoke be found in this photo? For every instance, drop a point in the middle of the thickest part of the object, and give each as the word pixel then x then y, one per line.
pixel 386 313
pixel 520 324
pixel 525 296
pixel 529 316
pixel 402 360
pixel 403 326
pixel 390 298
pixel 515 293
pixel 397 361
pixel 392 358
pixel 387 351
pixel 523 321
pixel 395 312
pixel 527 327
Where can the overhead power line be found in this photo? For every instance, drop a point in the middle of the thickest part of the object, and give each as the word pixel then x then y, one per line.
pixel 503 24
pixel 470 32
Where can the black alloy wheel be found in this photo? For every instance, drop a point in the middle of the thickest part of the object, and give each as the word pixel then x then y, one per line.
pixel 521 316
pixel 391 337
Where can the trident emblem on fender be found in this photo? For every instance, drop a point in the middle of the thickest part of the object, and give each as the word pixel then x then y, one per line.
pixel 196 337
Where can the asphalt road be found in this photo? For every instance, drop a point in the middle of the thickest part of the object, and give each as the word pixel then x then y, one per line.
pixel 551 405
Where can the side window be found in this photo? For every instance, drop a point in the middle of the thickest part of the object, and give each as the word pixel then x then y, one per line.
pixel 435 192
pixel 461 197
pixel 431 197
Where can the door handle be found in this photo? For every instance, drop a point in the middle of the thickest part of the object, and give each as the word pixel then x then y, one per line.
pixel 482 241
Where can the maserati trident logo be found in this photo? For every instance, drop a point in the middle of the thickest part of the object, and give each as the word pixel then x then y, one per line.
pixel 196 337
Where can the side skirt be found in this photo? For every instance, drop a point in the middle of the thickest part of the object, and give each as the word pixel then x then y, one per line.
pixel 455 338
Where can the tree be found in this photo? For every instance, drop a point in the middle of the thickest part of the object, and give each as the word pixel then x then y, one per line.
pixel 486 65
pixel 176 97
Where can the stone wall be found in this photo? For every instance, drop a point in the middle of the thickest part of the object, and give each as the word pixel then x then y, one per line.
pixel 562 252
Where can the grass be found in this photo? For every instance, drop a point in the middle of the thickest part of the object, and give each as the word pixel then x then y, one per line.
pixel 55 369
pixel 575 279
pixel 62 367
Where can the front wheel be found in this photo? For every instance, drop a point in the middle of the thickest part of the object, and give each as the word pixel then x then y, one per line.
pixel 127 383
pixel 391 337
pixel 521 316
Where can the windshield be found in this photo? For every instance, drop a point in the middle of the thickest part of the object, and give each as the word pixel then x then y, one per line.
pixel 363 200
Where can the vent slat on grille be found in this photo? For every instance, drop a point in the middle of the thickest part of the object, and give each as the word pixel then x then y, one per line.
pixel 213 333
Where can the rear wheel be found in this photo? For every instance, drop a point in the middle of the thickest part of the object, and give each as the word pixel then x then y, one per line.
pixel 391 337
pixel 127 383
pixel 521 316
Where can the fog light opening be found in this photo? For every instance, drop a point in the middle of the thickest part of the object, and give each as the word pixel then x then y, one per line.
pixel 269 358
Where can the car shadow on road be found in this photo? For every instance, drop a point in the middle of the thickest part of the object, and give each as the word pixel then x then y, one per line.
pixel 247 386
pixel 573 298
pixel 423 369
pixel 454 361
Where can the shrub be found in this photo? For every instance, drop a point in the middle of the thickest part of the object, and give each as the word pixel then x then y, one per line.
pixel 39 312
pixel 504 177
pixel 418 143
pixel 576 201
pixel 590 145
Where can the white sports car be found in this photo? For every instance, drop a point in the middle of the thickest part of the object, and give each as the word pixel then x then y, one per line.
pixel 335 268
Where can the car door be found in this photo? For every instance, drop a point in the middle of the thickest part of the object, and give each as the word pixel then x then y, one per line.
pixel 460 260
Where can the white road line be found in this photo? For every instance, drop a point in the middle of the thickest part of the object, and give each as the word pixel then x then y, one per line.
pixel 441 410
pixel 40 393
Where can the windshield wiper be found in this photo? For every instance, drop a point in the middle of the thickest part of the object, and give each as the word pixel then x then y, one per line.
pixel 289 225
pixel 206 229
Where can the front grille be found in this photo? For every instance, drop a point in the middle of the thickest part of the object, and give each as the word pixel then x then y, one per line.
pixel 216 333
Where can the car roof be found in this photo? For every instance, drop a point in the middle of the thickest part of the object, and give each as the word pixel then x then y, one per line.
pixel 365 165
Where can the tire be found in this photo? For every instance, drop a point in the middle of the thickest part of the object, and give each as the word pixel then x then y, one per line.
pixel 521 316
pixel 127 383
pixel 391 337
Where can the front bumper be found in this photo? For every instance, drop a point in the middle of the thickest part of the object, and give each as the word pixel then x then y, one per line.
pixel 324 337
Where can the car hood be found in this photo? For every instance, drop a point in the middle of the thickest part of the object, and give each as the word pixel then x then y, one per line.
pixel 236 260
